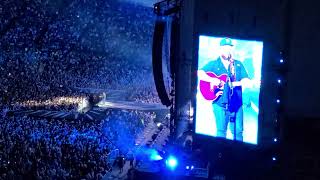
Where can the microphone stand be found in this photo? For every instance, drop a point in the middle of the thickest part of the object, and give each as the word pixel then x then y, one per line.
pixel 232 115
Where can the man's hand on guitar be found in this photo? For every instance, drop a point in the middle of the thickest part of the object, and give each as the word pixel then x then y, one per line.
pixel 214 82
pixel 221 84
pixel 211 85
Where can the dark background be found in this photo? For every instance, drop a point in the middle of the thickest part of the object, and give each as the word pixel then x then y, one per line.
pixel 303 84
pixel 291 26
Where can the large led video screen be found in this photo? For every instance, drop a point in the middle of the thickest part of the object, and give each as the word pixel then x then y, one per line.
pixel 228 88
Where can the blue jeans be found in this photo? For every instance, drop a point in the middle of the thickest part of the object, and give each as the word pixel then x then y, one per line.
pixel 223 117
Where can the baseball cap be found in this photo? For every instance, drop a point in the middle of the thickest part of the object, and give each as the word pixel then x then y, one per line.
pixel 226 41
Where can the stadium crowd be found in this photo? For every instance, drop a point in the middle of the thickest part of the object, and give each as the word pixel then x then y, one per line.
pixel 48 49
pixel 38 148
pixel 46 52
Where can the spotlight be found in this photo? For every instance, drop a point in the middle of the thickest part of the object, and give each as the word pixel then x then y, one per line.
pixel 281 61
pixel 274 158
pixel 187 167
pixel 279 81
pixel 192 167
pixel 275 139
pixel 278 101
pixel 172 162
pixel 159 124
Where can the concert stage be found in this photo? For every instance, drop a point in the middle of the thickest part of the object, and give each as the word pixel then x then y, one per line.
pixel 95 114
pixel 131 105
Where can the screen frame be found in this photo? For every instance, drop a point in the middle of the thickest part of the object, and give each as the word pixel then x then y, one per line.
pixel 261 141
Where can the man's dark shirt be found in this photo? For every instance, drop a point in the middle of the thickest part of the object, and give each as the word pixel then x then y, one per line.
pixel 218 68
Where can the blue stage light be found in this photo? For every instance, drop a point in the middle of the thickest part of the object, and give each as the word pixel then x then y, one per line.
pixel 278 101
pixel 154 155
pixel 281 61
pixel 192 167
pixel 275 139
pixel 187 167
pixel 172 162
pixel 274 158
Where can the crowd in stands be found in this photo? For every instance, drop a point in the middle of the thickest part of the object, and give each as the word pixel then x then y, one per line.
pixel 39 148
pixel 42 149
pixel 48 49
pixel 127 125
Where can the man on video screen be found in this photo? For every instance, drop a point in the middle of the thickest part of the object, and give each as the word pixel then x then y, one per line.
pixel 226 77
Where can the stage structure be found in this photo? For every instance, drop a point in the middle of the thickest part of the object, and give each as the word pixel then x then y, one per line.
pixel 235 42
pixel 165 55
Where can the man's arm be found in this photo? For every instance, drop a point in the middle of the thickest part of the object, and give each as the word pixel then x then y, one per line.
pixel 202 75
pixel 246 82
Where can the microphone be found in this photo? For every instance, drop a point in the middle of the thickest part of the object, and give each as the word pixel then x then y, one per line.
pixel 229 57
pixel 232 71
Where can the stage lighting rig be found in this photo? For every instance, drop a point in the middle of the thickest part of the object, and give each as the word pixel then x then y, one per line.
pixel 167 7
